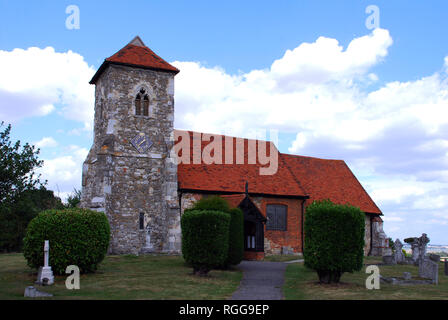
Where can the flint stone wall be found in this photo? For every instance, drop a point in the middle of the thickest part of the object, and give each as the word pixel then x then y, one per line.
pixel 122 182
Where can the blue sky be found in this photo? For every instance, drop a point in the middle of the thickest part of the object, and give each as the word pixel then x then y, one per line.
pixel 380 105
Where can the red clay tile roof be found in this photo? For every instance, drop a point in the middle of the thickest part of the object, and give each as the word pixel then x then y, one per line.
pixel 234 199
pixel 297 176
pixel 233 177
pixel 136 55
pixel 330 179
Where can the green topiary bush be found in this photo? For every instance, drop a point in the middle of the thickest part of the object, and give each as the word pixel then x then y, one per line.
pixel 334 239
pixel 77 237
pixel 236 237
pixel 236 231
pixel 214 203
pixel 205 239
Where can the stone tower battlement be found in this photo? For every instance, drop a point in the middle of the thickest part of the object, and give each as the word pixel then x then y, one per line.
pixel 129 172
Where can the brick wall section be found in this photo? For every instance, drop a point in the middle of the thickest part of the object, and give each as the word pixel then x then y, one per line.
pixel 252 255
pixel 280 242
pixel 275 242
pixel 283 242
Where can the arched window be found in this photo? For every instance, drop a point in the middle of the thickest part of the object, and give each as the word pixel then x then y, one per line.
pixel 138 108
pixel 142 103
pixel 146 106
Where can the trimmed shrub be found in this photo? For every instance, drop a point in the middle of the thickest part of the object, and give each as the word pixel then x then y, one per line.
pixel 214 203
pixel 236 237
pixel 236 231
pixel 77 237
pixel 334 239
pixel 205 239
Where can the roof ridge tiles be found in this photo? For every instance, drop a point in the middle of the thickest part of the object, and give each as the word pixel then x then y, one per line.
pixel 136 54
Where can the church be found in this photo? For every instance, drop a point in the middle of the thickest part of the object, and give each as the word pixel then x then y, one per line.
pixel 143 174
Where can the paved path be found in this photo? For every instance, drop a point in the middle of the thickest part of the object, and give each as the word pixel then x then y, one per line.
pixel 261 281
pixel 294 261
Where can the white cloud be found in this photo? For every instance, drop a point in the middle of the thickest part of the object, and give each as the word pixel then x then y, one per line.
pixel 431 202
pixel 46 142
pixel 311 87
pixel 396 190
pixel 393 137
pixel 395 219
pixel 64 173
pixel 36 82
pixel 298 143
pixel 325 60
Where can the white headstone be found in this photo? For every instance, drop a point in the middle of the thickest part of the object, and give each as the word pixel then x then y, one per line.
pixel 45 274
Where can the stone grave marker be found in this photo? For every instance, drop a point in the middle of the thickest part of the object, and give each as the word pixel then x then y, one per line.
pixel 429 268
pixel 45 274
pixel 399 256
pixel 31 292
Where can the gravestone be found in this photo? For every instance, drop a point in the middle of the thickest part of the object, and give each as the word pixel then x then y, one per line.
pixel 388 260
pixel 446 267
pixel 415 250
pixel 422 243
pixel 399 256
pixel 407 276
pixel 31 292
pixel 429 268
pixel 434 257
pixel 45 274
pixel 418 246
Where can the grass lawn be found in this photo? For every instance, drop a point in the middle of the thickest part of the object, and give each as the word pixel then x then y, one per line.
pixel 124 277
pixel 302 283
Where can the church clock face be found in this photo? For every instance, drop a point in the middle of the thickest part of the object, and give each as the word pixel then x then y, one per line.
pixel 141 142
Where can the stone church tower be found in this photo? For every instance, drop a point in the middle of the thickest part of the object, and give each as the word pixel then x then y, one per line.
pixel 129 172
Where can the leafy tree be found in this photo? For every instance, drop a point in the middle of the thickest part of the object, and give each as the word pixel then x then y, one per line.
pixel 74 199
pixel 22 194
pixel 16 168
pixel 15 217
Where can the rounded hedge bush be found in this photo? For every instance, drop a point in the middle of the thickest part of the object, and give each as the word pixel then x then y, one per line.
pixel 236 237
pixel 205 239
pixel 334 239
pixel 236 227
pixel 214 203
pixel 77 237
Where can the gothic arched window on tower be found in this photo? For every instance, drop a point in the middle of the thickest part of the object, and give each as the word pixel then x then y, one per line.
pixel 138 101
pixel 146 106
pixel 142 103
